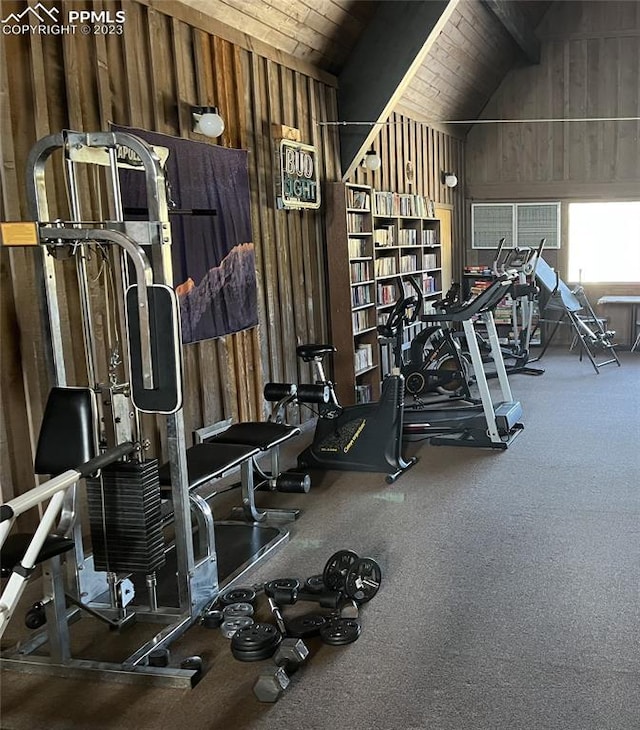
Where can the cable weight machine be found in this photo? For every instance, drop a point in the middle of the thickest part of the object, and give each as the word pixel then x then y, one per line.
pixel 103 420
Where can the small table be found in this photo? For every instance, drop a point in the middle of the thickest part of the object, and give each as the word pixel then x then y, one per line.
pixel 634 303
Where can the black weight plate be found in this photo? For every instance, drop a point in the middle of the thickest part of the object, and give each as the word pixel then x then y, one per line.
pixel 255 642
pixel 281 584
pixel 314 584
pixel 305 626
pixel 336 569
pixel 212 619
pixel 238 595
pixel 340 631
pixel 363 580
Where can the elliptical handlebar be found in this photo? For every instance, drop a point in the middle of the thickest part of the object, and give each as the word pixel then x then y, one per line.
pixel 406 310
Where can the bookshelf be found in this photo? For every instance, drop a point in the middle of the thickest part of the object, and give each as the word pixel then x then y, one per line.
pixel 374 237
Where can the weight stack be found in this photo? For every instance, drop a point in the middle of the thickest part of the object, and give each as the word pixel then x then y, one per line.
pixel 125 518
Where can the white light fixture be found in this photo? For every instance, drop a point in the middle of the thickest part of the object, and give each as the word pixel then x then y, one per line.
pixel 207 121
pixel 450 179
pixel 372 161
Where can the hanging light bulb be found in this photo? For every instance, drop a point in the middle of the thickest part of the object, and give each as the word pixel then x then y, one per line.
pixel 450 179
pixel 372 160
pixel 207 121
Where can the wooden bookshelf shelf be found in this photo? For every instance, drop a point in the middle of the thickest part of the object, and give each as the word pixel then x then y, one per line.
pixel 373 236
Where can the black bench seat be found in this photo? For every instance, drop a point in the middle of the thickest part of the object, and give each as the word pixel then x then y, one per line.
pixel 264 435
pixel 209 461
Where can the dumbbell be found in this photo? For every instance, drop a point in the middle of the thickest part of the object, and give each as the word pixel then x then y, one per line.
pixel 273 681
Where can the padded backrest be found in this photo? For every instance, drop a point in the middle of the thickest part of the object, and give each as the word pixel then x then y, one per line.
pixel 68 431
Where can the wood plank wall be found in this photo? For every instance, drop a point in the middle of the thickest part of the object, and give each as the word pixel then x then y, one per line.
pixel 589 67
pixel 430 152
pixel 149 77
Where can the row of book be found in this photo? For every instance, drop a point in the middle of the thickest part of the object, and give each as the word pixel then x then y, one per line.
pixel 402 204
pixel 360 295
pixel 363 356
pixel 361 320
pixel 385 266
pixel 430 261
pixel 384 236
pixel 357 223
pixel 357 248
pixel 359 199
pixel 408 263
pixel 360 271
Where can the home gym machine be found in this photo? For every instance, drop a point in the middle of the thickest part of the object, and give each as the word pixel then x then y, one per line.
pixel 137 571
pixel 435 364
pixel 524 261
pixel 572 306
pixel 497 424
pixel 364 437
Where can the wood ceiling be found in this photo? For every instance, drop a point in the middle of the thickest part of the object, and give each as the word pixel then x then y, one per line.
pixel 462 69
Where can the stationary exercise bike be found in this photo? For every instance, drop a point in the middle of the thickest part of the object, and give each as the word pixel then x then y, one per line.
pixel 364 437
pixel 435 363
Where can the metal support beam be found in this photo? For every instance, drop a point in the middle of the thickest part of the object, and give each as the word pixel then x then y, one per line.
pixel 516 24
pixel 383 62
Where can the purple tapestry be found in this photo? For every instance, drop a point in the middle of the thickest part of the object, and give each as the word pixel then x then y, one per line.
pixel 213 254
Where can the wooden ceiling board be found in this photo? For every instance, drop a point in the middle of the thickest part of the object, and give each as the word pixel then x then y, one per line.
pixel 464 67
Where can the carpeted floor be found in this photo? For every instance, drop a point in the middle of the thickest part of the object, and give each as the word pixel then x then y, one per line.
pixel 510 597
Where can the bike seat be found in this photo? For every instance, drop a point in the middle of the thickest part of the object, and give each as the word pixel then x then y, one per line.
pixel 311 352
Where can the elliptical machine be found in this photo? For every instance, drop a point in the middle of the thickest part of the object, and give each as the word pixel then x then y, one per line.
pixel 364 437
pixel 435 363
pixel 522 262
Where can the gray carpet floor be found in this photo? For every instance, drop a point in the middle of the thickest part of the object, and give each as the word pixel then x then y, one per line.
pixel 510 598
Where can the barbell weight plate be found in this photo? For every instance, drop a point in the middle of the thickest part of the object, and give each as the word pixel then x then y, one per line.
pixel 212 619
pixel 231 625
pixel 340 631
pixel 283 585
pixel 306 625
pixel 256 642
pixel 314 584
pixel 233 610
pixel 363 579
pixel 336 569
pixel 238 595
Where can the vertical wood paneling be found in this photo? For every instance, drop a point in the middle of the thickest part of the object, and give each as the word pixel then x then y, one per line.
pixel 589 67
pixel 149 77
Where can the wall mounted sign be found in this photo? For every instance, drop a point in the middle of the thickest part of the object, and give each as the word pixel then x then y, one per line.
pixel 298 181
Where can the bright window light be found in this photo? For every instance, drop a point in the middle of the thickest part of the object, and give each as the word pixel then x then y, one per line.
pixel 604 242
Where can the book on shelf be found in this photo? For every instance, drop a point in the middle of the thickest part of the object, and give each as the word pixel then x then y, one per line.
pixel 357 223
pixel 360 321
pixel 358 199
pixel 385 266
pixel 407 237
pixel 364 393
pixel 361 295
pixel 357 248
pixel 360 271
pixel 429 237
pixel 363 357
pixel 384 236
pixel 408 263
pixel 386 294
pixel 402 204
pixel 429 261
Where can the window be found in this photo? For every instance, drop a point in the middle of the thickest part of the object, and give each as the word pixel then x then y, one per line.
pixel 604 242
pixel 523 223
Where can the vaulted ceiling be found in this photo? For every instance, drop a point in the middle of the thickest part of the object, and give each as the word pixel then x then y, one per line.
pixel 459 62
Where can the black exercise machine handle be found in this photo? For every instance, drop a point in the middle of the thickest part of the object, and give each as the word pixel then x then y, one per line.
pixel 95 464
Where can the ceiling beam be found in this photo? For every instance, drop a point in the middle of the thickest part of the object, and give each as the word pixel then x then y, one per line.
pixel 516 24
pixel 386 57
